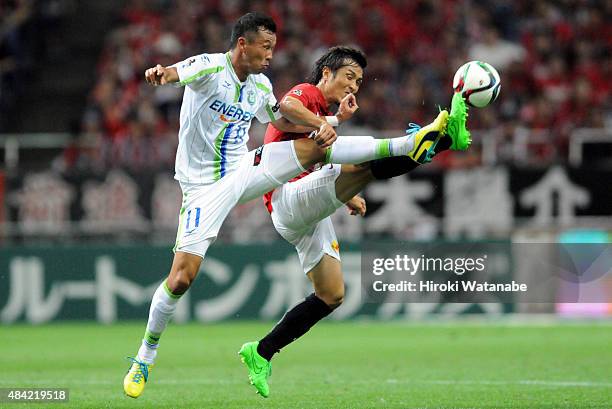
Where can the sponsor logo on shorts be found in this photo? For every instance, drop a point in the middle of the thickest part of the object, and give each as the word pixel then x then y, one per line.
pixel 188 63
pixel 335 246
pixel 258 154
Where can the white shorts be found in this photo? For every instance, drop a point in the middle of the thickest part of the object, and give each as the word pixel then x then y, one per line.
pixel 301 213
pixel 205 207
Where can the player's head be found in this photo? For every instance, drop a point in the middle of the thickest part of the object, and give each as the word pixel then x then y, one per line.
pixel 254 37
pixel 339 72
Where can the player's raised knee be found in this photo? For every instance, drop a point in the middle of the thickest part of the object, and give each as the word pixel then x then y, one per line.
pixel 180 281
pixel 308 152
pixel 184 270
pixel 333 298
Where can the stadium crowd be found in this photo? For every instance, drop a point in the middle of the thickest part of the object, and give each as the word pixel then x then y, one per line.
pixel 14 19
pixel 554 59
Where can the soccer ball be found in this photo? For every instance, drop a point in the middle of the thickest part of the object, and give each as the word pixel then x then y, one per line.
pixel 478 83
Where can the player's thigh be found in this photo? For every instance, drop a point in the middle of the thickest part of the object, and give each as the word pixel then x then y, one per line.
pixel 352 180
pixel 265 169
pixel 309 200
pixel 311 242
pixel 327 280
pixel 308 152
pixel 203 211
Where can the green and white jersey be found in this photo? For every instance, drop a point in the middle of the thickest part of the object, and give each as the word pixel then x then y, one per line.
pixel 216 115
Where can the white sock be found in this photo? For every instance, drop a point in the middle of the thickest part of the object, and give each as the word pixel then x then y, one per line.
pixel 401 146
pixel 162 309
pixel 359 149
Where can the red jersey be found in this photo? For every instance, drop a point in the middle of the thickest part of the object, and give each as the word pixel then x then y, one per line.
pixel 314 101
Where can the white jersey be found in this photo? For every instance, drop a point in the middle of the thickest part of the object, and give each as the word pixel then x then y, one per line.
pixel 216 115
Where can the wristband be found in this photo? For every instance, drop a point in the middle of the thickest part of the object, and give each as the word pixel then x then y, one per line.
pixel 332 120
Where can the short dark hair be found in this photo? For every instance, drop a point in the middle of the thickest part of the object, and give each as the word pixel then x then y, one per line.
pixel 251 23
pixel 336 58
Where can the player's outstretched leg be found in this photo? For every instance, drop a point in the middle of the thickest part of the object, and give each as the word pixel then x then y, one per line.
pixel 363 148
pixel 455 137
pixel 360 149
pixel 259 368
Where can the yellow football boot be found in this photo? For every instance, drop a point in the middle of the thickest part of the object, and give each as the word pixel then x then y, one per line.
pixel 136 378
pixel 427 137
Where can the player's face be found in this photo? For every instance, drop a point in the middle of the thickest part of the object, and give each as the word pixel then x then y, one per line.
pixel 258 49
pixel 346 80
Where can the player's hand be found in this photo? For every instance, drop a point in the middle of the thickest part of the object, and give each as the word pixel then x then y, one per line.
pixel 357 206
pixel 348 106
pixel 325 136
pixel 156 75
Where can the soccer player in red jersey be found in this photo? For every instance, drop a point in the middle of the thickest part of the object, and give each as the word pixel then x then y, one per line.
pixel 301 209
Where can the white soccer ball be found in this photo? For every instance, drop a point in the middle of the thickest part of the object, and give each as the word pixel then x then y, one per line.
pixel 478 82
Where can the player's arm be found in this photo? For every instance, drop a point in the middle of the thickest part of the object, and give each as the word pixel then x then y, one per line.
pixel 294 110
pixel 194 72
pixel 345 111
pixel 160 75
pixel 285 125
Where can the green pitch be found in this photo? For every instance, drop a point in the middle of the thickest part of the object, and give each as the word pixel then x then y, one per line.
pixel 336 365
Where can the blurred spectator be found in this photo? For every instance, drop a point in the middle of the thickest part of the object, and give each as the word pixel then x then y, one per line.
pixel 497 52
pixel 13 17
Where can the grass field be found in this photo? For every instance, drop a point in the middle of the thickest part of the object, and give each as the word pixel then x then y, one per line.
pixel 336 365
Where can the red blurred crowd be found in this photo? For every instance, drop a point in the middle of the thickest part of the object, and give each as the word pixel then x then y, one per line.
pixel 14 17
pixel 554 59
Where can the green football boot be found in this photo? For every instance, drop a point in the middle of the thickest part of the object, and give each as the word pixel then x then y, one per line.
pixel 456 127
pixel 259 367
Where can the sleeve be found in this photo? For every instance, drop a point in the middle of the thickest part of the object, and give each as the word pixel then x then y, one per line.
pixel 301 92
pixel 197 71
pixel 270 110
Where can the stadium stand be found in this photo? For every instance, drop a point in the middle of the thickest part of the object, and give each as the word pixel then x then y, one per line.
pixel 554 60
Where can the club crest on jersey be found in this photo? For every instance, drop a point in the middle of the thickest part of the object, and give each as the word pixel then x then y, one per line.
pixel 231 112
pixel 251 97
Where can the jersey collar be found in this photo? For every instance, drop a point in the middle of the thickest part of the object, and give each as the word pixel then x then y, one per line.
pixel 231 69
pixel 321 97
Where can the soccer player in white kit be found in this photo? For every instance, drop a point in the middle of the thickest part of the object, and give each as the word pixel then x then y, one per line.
pixel 223 93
